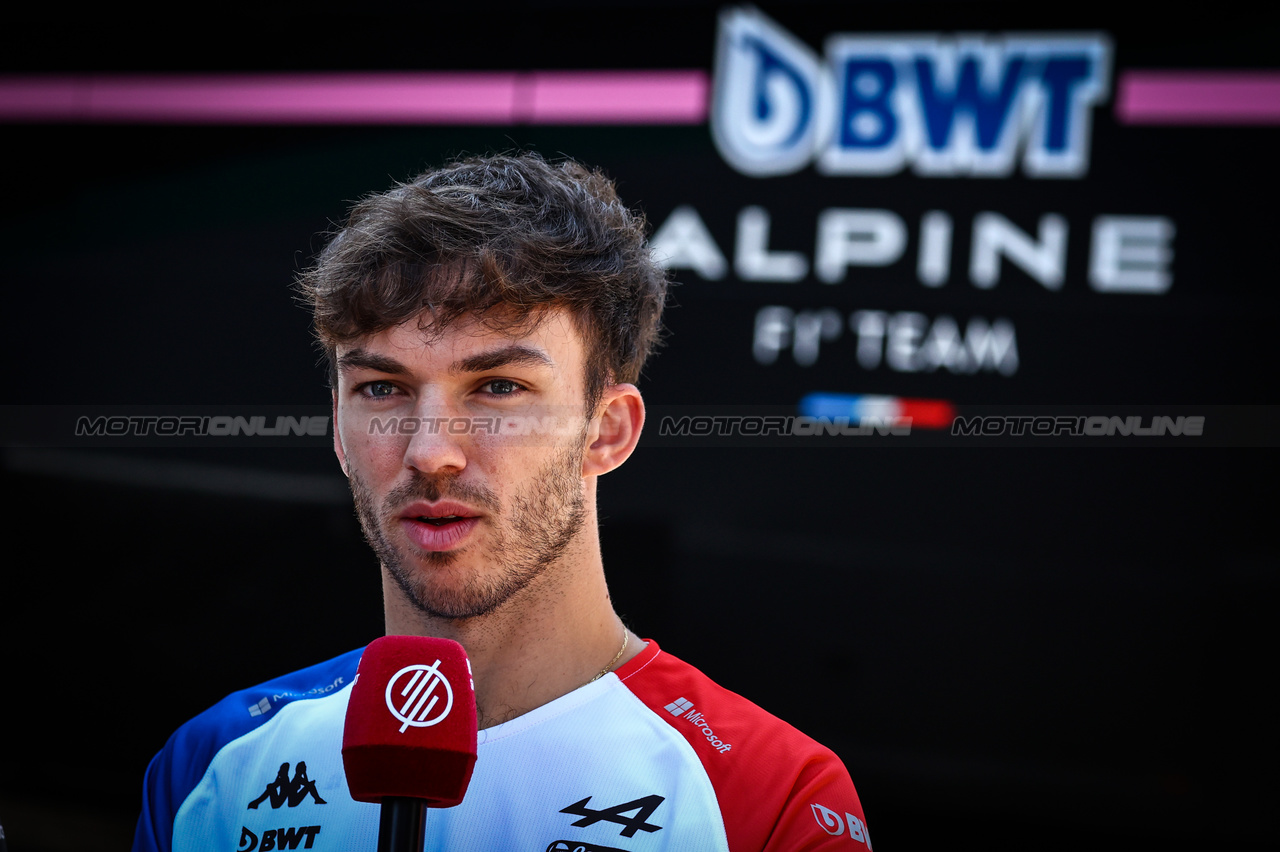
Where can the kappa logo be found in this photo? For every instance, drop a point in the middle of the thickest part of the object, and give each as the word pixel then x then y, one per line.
pixel 643 808
pixel 832 824
pixel 416 700
pixel 291 791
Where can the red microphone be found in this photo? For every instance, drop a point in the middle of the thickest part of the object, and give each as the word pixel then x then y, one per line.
pixel 409 742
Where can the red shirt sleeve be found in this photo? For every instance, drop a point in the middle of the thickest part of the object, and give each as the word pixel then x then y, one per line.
pixel 822 812
pixel 778 789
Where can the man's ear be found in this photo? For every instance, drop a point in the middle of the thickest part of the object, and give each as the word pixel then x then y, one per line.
pixel 615 429
pixel 338 449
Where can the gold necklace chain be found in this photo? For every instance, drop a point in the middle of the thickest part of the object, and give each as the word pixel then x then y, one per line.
pixel 626 634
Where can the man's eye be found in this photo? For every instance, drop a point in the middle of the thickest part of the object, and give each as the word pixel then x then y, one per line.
pixel 378 389
pixel 501 387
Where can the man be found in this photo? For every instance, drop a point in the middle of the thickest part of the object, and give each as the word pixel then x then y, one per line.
pixel 485 326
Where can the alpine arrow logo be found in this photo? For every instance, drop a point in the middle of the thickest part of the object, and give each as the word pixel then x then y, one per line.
pixel 643 808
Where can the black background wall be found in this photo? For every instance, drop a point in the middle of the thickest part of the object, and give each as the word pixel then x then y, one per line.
pixel 1019 646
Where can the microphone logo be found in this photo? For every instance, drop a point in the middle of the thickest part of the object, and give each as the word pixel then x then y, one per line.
pixel 412 704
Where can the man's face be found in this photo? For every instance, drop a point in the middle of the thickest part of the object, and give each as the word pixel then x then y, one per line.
pixel 463 491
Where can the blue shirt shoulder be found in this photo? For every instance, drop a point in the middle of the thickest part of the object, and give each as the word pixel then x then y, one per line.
pixel 178 767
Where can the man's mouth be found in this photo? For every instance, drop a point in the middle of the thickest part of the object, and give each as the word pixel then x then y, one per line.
pixel 439 515
pixel 442 521
pixel 438 526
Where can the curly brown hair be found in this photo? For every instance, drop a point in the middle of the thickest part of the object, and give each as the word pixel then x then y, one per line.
pixel 498 238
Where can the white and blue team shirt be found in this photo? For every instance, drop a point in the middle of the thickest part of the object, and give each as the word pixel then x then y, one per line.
pixel 654 757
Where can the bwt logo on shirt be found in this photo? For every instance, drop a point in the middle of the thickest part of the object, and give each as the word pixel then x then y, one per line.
pixel 832 824
pixel 278 838
pixel 948 107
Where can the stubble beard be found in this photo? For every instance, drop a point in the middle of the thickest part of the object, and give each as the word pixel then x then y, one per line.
pixel 539 526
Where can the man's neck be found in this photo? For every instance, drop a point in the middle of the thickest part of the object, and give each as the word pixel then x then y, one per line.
pixel 553 637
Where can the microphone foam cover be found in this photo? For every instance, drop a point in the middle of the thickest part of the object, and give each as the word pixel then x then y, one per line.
pixel 411 722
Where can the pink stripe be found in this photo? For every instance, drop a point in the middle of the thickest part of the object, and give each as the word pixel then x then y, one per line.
pixel 543 97
pixel 41 98
pixel 629 97
pixel 291 99
pixel 626 97
pixel 1205 97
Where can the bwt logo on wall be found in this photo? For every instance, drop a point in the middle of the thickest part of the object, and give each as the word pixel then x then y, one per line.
pixel 946 107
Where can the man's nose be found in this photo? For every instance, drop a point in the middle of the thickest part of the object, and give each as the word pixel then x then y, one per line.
pixel 439 444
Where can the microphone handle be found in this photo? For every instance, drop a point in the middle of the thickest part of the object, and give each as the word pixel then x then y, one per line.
pixel 403 824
